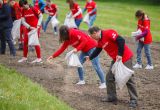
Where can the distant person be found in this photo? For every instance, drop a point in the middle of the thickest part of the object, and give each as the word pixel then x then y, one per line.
pixel 16 13
pixel 31 19
pixel 52 10
pixel 5 28
pixel 81 42
pixel 91 8
pixel 115 47
pixel 76 12
pixel 144 26
pixel 39 4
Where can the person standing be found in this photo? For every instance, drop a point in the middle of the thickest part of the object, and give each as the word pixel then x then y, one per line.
pixel 5 28
pixel 81 42
pixel 76 12
pixel 39 4
pixel 16 13
pixel 144 26
pixel 31 19
pixel 52 10
pixel 115 47
pixel 91 8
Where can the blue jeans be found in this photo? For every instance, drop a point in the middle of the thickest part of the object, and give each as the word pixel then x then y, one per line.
pixel 46 24
pixel 147 53
pixel 78 22
pixel 5 35
pixel 91 20
pixel 95 64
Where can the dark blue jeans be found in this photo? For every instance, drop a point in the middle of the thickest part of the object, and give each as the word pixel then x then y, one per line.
pixel 46 24
pixel 5 36
pixel 78 22
pixel 147 53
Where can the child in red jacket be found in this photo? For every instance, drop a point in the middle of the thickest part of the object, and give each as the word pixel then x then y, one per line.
pixel 144 26
pixel 31 19
pixel 76 12
pixel 52 10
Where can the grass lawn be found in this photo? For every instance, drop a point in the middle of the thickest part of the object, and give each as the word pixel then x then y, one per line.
pixel 119 14
pixel 19 93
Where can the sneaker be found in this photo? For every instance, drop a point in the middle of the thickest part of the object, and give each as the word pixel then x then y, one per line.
pixel 133 104
pixel 81 82
pixel 137 66
pixel 24 59
pixel 20 47
pixel 55 33
pixel 38 60
pixel 149 67
pixel 102 86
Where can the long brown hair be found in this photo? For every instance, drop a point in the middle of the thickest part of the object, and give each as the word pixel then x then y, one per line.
pixel 63 33
pixel 140 13
pixel 71 3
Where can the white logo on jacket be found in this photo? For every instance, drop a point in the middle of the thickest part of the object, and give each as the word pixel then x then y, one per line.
pixel 29 15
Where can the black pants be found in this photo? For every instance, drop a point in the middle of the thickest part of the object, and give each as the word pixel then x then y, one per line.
pixel 5 36
pixel 111 86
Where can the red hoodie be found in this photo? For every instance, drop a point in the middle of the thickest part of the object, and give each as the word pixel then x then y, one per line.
pixel 16 11
pixel 51 9
pixel 109 44
pixel 79 40
pixel 143 25
pixel 75 9
pixel 91 6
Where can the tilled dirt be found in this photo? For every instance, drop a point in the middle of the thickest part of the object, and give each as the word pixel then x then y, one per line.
pixel 59 80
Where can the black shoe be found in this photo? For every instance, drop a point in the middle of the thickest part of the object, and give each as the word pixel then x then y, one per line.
pixel 20 46
pixel 114 101
pixel 133 104
pixel 2 53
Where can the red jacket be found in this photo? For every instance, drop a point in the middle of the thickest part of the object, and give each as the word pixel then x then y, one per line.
pixel 109 44
pixel 143 25
pixel 79 40
pixel 52 9
pixel 31 16
pixel 16 11
pixel 75 9
pixel 91 6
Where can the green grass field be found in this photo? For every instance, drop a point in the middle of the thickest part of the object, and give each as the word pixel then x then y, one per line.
pixel 19 93
pixel 119 14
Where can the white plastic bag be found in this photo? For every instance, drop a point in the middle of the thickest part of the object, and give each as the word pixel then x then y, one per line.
pixel 86 18
pixel 137 33
pixel 121 73
pixel 70 22
pixel 33 38
pixel 72 59
pixel 54 22
pixel 16 29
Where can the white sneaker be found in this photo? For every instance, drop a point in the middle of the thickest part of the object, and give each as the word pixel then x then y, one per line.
pixel 55 33
pixel 81 82
pixel 137 66
pixel 102 86
pixel 149 67
pixel 24 59
pixel 38 60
